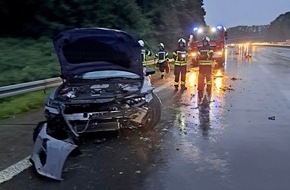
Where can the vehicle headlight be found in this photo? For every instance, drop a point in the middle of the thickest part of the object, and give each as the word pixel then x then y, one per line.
pixel 52 103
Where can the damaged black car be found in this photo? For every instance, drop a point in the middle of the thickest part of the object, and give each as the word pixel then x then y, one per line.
pixel 105 88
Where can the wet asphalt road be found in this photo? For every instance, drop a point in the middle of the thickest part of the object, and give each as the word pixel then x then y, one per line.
pixel 239 139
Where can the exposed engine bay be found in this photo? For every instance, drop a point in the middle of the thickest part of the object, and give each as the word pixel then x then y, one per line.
pixel 99 105
pixel 97 90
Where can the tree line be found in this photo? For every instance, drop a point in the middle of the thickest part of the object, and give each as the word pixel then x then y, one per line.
pixel 154 20
pixel 277 31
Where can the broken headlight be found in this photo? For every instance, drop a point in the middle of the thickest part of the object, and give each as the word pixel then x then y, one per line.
pixel 52 103
pixel 135 101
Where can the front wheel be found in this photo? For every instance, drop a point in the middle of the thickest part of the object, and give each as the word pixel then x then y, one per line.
pixel 153 115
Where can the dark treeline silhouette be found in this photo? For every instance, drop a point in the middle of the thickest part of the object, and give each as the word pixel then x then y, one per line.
pixel 240 34
pixel 277 31
pixel 157 20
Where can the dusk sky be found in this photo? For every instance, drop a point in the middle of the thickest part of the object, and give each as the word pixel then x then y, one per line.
pixel 232 13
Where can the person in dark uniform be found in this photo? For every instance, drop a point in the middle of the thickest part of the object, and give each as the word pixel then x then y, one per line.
pixel 180 56
pixel 162 56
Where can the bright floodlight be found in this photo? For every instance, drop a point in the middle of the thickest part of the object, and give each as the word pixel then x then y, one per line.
pixel 200 30
pixel 195 29
pixel 213 30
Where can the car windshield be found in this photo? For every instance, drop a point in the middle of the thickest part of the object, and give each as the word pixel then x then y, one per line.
pixel 107 74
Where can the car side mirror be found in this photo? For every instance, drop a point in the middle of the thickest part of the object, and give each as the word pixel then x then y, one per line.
pixel 149 71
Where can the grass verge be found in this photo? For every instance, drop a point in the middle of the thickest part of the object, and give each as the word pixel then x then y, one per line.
pixel 22 103
pixel 25 60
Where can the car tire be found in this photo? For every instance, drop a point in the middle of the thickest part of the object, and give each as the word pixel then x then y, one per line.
pixel 153 115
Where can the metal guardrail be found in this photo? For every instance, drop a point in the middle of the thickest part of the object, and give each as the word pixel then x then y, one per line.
pixel 17 89
pixel 22 88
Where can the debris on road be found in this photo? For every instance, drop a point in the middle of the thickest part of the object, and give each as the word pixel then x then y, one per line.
pixel 272 118
pixel 235 78
pixel 55 152
pixel 227 88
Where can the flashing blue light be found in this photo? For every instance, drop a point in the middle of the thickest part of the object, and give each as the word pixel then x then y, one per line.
pixel 219 27
pixel 195 29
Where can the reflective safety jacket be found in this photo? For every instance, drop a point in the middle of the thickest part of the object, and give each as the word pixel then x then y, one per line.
pixel 205 53
pixel 180 56
pixel 161 55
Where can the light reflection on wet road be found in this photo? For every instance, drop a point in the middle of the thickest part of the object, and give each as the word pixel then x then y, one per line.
pixel 227 142
pixel 197 127
pixel 230 143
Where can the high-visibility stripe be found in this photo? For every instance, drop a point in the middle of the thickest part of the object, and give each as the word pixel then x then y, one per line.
pixel 180 63
pixel 205 62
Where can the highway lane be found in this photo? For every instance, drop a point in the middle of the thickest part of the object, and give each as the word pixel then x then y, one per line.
pixel 239 140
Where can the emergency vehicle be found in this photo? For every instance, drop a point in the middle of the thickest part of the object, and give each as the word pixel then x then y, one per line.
pixel 217 36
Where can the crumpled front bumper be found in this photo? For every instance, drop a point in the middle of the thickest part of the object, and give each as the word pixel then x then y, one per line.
pixel 49 154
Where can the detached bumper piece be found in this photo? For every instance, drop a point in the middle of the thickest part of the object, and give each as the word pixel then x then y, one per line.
pixel 49 154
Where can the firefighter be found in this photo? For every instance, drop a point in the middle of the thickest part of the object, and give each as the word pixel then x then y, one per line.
pixel 205 51
pixel 144 52
pixel 162 56
pixel 180 56
pixel 205 64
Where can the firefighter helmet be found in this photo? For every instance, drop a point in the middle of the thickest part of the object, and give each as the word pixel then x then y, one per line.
pixel 206 39
pixel 161 45
pixel 141 42
pixel 181 42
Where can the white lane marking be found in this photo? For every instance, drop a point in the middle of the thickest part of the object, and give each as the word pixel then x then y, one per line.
pixel 264 69
pixel 22 165
pixel 14 170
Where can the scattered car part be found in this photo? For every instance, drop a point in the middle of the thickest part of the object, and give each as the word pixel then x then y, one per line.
pixel 49 154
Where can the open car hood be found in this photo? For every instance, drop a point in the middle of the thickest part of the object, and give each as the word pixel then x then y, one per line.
pixel 95 49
